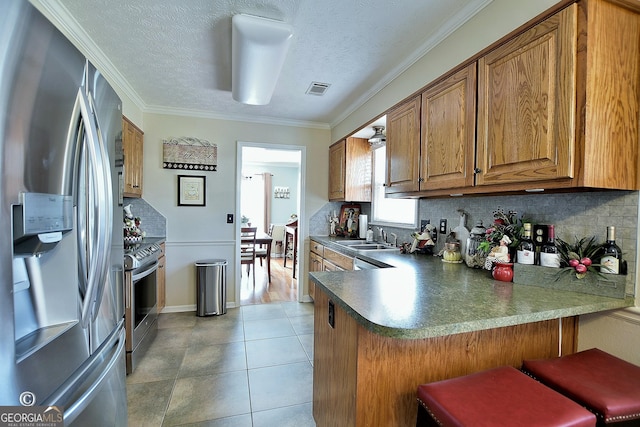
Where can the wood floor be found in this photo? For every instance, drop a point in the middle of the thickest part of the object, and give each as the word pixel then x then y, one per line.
pixel 283 286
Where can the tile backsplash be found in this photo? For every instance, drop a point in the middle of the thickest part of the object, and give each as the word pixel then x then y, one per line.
pixel 152 222
pixel 582 214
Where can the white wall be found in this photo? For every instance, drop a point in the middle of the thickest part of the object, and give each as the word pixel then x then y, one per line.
pixel 202 232
pixel 496 20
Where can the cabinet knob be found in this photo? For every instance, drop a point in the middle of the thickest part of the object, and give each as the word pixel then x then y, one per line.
pixel 477 170
pixel 420 179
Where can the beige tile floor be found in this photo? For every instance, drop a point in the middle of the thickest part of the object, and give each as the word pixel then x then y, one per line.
pixel 251 367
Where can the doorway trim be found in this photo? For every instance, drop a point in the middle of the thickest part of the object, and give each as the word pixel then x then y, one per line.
pixel 302 234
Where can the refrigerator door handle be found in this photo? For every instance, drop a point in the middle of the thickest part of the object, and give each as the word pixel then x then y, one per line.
pixel 106 196
pixel 98 177
pixel 87 397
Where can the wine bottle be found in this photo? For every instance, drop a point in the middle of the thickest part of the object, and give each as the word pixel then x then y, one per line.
pixel 526 250
pixel 549 255
pixel 611 254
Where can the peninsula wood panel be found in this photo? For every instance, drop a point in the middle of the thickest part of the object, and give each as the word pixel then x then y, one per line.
pixel 526 104
pixel 398 366
pixel 334 371
pixel 448 132
pixel 364 379
pixel 403 148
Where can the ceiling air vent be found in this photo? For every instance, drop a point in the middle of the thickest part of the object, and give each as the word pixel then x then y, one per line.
pixel 317 88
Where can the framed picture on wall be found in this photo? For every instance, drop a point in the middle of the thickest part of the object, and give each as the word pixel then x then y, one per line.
pixel 191 190
pixel 349 219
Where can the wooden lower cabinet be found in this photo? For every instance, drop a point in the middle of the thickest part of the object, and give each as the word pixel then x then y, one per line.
pixel 333 258
pixel 325 259
pixel 364 379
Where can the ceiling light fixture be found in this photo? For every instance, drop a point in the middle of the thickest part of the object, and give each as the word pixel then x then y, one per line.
pixel 258 50
pixel 378 137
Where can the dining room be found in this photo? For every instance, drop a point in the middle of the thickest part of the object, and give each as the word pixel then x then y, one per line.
pixel 269 203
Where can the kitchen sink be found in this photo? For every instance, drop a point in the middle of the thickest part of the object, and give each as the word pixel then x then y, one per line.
pixel 370 246
pixel 352 242
pixel 361 245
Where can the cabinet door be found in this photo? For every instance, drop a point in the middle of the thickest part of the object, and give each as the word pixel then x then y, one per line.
pixel 329 266
pixel 337 170
pixel 448 132
pixel 358 170
pixel 403 148
pixel 132 145
pixel 526 105
pixel 315 263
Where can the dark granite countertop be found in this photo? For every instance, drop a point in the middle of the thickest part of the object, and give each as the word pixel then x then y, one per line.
pixel 419 296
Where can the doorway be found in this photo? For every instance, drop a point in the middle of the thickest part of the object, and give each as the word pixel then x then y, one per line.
pixel 269 185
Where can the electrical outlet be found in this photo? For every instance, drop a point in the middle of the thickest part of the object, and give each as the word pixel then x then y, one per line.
pixel 229 218
pixel 423 223
pixel 331 318
pixel 443 226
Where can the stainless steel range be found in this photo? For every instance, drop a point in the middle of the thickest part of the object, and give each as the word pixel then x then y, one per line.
pixel 141 312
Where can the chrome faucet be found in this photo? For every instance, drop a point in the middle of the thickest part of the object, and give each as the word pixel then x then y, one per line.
pixel 395 239
pixel 382 236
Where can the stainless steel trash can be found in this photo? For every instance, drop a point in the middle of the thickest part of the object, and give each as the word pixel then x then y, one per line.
pixel 211 284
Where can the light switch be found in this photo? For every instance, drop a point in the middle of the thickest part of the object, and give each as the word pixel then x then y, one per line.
pixel 229 218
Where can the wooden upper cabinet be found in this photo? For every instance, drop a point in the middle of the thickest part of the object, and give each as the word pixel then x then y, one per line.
pixel 448 132
pixel 526 104
pixel 132 145
pixel 608 126
pixel 403 148
pixel 337 169
pixel 350 170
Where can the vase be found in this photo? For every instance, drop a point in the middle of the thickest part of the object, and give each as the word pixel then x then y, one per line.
pixel 503 271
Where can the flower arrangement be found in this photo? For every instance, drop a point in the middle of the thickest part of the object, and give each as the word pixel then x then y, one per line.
pixel 504 224
pixel 132 231
pixel 580 258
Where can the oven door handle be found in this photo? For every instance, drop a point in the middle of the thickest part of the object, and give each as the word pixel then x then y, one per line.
pixel 144 273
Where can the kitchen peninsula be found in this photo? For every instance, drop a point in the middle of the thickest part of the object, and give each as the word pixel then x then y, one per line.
pixel 380 333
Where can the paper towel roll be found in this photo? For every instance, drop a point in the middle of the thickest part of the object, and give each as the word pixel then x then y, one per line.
pixel 363 225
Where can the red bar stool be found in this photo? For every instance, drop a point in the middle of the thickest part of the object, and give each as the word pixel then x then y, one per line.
pixel 605 384
pixel 498 397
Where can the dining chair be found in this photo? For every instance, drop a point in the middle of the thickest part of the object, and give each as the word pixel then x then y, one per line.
pixel 248 249
pixel 262 252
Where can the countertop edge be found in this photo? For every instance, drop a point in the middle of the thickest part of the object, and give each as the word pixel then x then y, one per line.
pixel 437 330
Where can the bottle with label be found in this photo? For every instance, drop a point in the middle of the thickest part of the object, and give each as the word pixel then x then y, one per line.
pixel 549 255
pixel 611 260
pixel 369 235
pixel 526 249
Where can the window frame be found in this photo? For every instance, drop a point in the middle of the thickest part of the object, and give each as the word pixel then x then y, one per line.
pixel 377 185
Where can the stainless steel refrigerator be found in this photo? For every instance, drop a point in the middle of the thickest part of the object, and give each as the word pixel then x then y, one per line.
pixel 61 245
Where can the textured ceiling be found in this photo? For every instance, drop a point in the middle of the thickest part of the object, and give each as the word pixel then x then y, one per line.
pixel 174 56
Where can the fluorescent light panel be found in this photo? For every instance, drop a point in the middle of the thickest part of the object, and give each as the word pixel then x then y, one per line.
pixel 258 50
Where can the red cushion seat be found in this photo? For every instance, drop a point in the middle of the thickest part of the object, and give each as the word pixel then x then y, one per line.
pixel 605 384
pixel 499 397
